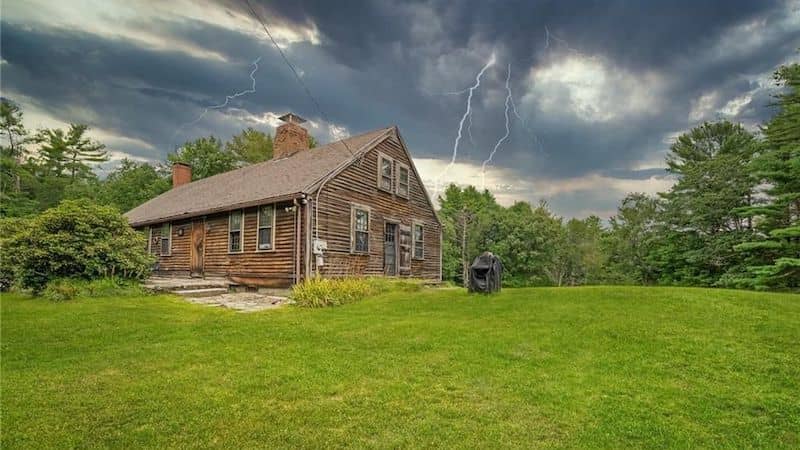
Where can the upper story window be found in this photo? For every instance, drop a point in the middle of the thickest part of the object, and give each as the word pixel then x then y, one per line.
pixel 402 180
pixel 360 229
pixel 266 227
pixel 419 241
pixel 235 227
pixel 385 172
pixel 166 239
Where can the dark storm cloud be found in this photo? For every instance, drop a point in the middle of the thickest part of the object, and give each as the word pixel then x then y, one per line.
pixel 380 63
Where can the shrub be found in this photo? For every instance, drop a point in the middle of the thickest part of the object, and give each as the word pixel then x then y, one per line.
pixel 63 289
pixel 9 264
pixel 78 239
pixel 320 292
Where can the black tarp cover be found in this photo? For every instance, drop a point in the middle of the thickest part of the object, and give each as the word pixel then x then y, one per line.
pixel 486 273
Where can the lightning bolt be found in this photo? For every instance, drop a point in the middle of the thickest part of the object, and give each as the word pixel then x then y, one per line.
pixel 525 125
pixel 548 36
pixel 228 98
pixel 505 136
pixel 467 114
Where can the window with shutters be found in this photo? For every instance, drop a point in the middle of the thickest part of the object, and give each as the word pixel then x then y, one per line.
pixel 266 227
pixel 402 180
pixel 235 227
pixel 359 225
pixel 166 239
pixel 419 241
pixel 385 172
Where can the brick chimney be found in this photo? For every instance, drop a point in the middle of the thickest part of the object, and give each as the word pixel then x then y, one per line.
pixel 290 137
pixel 181 174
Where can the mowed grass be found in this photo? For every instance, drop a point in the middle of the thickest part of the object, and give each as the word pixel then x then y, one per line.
pixel 571 367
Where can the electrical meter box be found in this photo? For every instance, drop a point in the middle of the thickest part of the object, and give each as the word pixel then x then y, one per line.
pixel 319 246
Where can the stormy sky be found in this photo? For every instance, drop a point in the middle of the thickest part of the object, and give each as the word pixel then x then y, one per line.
pixel 600 88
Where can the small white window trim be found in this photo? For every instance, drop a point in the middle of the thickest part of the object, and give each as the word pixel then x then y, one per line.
pixel 161 239
pixel 271 226
pixel 414 226
pixel 368 210
pixel 381 158
pixel 400 167
pixel 149 240
pixel 241 232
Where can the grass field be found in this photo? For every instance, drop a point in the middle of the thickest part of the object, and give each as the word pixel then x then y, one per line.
pixel 572 367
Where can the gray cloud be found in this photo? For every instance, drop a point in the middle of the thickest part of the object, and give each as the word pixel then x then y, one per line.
pixel 378 63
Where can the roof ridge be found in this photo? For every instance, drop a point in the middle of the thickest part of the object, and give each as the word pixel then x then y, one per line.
pixel 272 160
pixel 261 181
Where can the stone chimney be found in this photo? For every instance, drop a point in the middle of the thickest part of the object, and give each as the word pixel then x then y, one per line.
pixel 290 137
pixel 181 174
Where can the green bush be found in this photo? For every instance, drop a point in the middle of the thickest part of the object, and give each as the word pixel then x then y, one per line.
pixel 9 265
pixel 77 239
pixel 63 289
pixel 321 292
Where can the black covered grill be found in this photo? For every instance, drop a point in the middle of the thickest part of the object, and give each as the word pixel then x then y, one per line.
pixel 486 274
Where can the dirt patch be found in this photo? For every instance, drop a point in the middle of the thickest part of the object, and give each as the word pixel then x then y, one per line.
pixel 242 301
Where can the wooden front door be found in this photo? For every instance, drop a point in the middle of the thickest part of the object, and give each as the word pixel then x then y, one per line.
pixel 390 249
pixel 198 246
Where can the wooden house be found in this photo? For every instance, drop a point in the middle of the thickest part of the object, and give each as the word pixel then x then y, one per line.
pixel 355 207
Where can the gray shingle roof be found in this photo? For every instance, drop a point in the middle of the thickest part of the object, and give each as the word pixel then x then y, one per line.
pixel 274 179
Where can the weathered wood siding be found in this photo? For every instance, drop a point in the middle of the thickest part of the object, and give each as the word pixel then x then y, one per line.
pixel 277 264
pixel 358 184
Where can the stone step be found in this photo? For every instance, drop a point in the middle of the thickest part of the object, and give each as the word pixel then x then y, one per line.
pixel 201 292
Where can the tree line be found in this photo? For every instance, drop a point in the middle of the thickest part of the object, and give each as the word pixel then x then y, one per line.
pixel 730 219
pixel 40 169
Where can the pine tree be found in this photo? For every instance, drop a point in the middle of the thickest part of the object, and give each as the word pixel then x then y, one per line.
pixel 776 255
pixel 13 131
pixel 70 153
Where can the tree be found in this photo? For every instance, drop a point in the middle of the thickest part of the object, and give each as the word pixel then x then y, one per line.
pixel 14 133
pixel 206 156
pixel 701 225
pixel 583 250
pixel 133 183
pixel 250 146
pixel 70 153
pixel 775 252
pixel 631 241
pixel 13 170
pixel 527 243
pixel 470 224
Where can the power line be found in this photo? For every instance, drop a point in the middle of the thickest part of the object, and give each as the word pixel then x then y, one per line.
pixel 294 71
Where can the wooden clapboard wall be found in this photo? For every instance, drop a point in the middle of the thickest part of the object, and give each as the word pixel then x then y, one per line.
pixel 273 267
pixel 358 184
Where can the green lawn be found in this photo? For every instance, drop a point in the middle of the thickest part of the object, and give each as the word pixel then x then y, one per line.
pixel 573 367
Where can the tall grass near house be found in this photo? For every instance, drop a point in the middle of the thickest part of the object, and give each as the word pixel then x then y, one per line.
pixel 320 292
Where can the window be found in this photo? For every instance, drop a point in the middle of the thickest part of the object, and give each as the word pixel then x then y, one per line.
pixel 385 172
pixel 360 227
pixel 235 225
pixel 402 180
pixel 405 247
pixel 419 241
pixel 166 239
pixel 266 225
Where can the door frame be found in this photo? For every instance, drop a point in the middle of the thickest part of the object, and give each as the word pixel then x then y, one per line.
pixel 396 224
pixel 192 253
